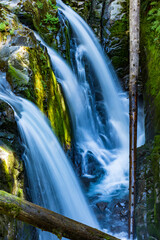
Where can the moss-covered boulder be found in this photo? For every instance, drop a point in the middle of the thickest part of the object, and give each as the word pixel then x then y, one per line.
pixel 40 15
pixel 12 181
pixel 30 75
pixel 11 169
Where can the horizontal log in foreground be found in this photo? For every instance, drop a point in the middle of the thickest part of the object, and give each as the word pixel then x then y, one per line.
pixel 47 220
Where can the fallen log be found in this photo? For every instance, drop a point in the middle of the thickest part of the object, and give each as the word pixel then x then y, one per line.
pixel 47 220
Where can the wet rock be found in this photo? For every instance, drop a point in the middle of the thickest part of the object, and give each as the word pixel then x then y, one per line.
pixel 11 180
pixel 30 75
pixel 102 206
pixel 148 191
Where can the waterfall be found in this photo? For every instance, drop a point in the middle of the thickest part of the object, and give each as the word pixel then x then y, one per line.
pixel 52 181
pixel 86 125
pixel 101 126
pixel 106 140
pixel 115 128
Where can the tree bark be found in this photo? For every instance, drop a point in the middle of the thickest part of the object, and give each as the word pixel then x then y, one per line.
pixel 47 220
pixel 134 69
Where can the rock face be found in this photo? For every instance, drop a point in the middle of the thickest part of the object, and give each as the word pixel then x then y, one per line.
pixel 109 20
pixel 148 195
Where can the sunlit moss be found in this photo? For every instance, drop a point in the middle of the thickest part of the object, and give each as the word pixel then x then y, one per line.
pixel 58 114
pixel 49 97
pixel 9 172
pixel 39 91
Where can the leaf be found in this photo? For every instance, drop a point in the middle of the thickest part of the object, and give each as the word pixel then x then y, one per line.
pixel 153 3
pixel 153 10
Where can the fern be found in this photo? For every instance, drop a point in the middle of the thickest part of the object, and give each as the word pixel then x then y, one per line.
pixel 154 19
pixel 51 19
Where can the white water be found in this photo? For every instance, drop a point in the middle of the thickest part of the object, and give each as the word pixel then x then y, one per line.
pixel 52 181
pixel 86 134
pixel 114 158
pixel 91 135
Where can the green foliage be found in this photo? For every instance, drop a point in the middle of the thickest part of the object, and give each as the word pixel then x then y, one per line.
pixel 153 187
pixel 52 4
pixel 11 31
pixel 2 27
pixel 39 5
pixel 154 19
pixel 50 19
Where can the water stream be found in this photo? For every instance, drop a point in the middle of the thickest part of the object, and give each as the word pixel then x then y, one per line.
pixel 100 124
pixel 52 181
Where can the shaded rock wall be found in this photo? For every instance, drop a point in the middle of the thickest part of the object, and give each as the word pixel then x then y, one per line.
pixel 148 171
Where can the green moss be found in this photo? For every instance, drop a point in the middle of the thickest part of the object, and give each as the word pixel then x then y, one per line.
pixel 12 208
pixel 148 206
pixel 39 4
pixel 12 31
pixel 9 171
pixel 18 75
pixel 153 189
pixel 48 95
pixel 43 18
pixel 119 41
pixel 151 62
pixel 2 27
pixel 6 177
pixel 57 113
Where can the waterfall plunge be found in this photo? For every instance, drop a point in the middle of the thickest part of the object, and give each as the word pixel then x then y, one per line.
pixel 108 142
pixel 52 181
pixel 113 157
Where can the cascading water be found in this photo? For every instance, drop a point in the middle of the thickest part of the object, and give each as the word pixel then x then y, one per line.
pixel 102 141
pixel 115 126
pixel 83 118
pixel 52 181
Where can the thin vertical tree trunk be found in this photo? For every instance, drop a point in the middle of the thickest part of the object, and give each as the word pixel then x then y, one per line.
pixel 134 67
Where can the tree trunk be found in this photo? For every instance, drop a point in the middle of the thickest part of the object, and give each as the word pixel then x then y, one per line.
pixel 134 68
pixel 47 220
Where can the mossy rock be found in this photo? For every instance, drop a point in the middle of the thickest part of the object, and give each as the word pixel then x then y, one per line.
pixel 12 181
pixel 48 94
pixel 82 7
pixel 30 74
pixel 148 194
pixel 150 57
pixel 11 170
pixel 42 16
